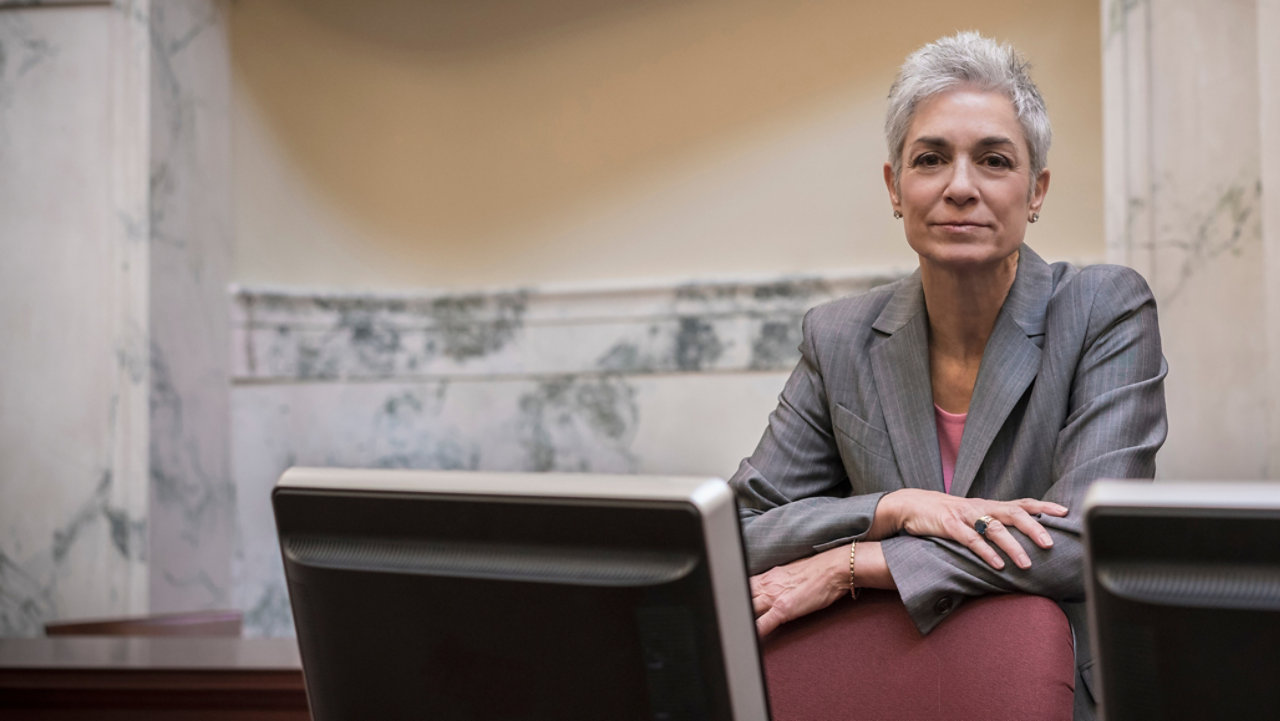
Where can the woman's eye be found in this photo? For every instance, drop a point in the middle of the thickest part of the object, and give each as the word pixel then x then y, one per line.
pixel 928 160
pixel 997 161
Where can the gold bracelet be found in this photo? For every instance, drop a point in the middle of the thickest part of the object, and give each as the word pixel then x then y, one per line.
pixel 853 586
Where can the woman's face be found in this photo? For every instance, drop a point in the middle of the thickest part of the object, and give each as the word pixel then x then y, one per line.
pixel 963 192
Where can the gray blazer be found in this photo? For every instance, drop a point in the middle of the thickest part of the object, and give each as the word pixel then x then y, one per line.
pixel 1071 389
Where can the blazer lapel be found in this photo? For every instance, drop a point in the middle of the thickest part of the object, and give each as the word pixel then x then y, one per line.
pixel 1009 365
pixel 900 364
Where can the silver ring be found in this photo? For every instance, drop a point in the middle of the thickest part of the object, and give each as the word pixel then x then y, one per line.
pixel 982 524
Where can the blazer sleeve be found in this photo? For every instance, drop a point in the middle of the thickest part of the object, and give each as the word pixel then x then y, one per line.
pixel 793 492
pixel 1115 424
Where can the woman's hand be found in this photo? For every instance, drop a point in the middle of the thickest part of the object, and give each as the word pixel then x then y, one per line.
pixel 930 513
pixel 785 593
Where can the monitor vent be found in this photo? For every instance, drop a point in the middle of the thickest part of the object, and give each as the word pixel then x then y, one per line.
pixel 541 564
pixel 1221 585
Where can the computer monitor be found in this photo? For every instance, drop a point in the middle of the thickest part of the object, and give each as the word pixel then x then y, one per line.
pixel 1183 586
pixel 469 595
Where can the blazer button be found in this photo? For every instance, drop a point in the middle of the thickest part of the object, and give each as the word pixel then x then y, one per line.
pixel 944 605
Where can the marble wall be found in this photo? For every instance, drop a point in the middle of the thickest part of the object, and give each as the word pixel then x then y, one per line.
pixel 658 379
pixel 114 483
pixel 1185 84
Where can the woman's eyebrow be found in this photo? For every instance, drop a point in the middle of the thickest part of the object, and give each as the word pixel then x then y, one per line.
pixel 991 140
pixel 934 141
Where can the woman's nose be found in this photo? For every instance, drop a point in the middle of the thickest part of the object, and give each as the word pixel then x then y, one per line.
pixel 960 186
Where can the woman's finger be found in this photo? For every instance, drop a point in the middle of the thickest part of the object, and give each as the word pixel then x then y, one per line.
pixel 766 623
pixel 998 534
pixel 980 548
pixel 1021 520
pixel 760 604
pixel 1034 506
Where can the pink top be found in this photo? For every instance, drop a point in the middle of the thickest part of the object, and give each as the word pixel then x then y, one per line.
pixel 950 429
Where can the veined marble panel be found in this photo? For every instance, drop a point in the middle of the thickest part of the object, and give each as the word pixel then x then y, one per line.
pixel 695 327
pixel 676 379
pixel 1184 189
pixel 73 291
pixel 192 508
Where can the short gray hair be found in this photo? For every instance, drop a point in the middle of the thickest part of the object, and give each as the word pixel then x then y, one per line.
pixel 967 58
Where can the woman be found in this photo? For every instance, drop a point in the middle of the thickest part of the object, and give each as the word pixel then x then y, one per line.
pixel 939 433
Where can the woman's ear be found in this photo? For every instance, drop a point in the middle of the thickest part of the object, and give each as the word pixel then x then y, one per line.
pixel 892 187
pixel 1040 189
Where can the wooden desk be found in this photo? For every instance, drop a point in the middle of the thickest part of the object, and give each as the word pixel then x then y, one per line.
pixel 183 679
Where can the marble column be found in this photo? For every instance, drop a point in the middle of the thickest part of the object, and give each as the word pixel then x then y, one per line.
pixel 1189 114
pixel 73 314
pixel 1269 100
pixel 191 522
pixel 113 369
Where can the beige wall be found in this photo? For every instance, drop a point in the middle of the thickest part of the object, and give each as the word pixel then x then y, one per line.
pixel 410 143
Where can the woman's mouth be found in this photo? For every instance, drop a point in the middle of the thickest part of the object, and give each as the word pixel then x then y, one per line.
pixel 960 226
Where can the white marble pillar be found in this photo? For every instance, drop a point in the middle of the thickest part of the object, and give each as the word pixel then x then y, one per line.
pixel 1269 87
pixel 114 492
pixel 191 520
pixel 74 374
pixel 1187 86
